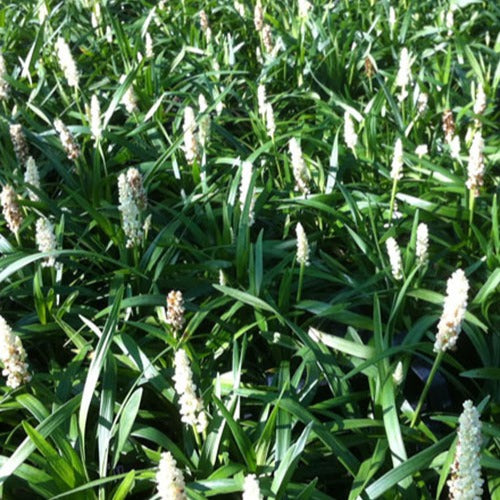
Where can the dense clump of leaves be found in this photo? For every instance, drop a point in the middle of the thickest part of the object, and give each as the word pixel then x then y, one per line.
pixel 301 180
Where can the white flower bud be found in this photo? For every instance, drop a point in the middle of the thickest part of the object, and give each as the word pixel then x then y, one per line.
pixel 128 99
pixel 191 148
pixel 421 150
pixel 175 310
pixel 67 140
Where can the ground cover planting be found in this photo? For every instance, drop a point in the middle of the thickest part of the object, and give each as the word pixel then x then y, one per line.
pixel 249 249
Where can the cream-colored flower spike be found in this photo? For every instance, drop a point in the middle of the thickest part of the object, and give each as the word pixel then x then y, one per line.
pixel 251 489
pixel 19 143
pixel 67 140
pixel 170 479
pixel 191 146
pixel 46 240
pixel 455 306
pixel 11 210
pixel 299 168
pixel 475 167
pixel 175 310
pixel 395 258
pixel 302 246
pixel 192 411
pixel 67 63
pixel 95 118
pixel 132 201
pixel 32 177
pixel 466 482
pixel 4 86
pixel 422 246
pixel 403 78
pixel 13 357
pixel 480 100
pixel 397 160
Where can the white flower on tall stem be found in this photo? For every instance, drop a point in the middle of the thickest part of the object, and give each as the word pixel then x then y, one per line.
pixel 67 63
pixel 480 100
pixel 67 140
pixel 170 479
pixel 403 78
pixel 11 210
pixel 302 246
pixel 191 147
pixel 192 410
pixel 300 172
pixel 129 99
pixel 397 160
pixel 394 258
pixel 95 118
pixel 475 167
pixel 422 246
pixel 13 357
pixel 46 240
pixel 454 308
pixel 32 177
pixel 466 482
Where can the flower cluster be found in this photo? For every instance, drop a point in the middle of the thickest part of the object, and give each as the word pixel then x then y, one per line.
pixel 175 310
pixel 67 140
pixel 13 357
pixel 395 258
pixel 451 139
pixel 302 246
pixel 422 246
pixel 454 309
pixel 11 209
pixel 170 479
pixel 191 147
pixel 67 63
pixel 475 167
pixel 300 172
pixel 403 78
pixel 204 126
pixel 4 86
pixel 46 240
pixel 192 410
pixel 397 160
pixel 95 118
pixel 132 199
pixel 128 99
pixel 251 489
pixel 466 482
pixel 19 143
pixel 32 177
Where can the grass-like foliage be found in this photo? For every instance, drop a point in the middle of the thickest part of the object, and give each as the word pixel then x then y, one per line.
pixel 319 181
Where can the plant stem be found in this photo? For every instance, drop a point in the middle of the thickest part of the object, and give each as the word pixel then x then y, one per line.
pixel 428 383
pixel 301 280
